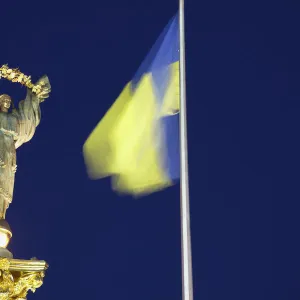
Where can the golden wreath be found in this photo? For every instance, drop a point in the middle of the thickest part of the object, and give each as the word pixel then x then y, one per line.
pixel 15 75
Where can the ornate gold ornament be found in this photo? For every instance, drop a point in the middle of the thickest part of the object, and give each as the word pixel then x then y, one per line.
pixel 18 277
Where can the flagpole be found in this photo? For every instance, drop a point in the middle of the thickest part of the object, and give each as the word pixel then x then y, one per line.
pixel 186 255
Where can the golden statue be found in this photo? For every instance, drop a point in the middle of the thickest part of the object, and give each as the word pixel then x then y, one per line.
pixel 16 128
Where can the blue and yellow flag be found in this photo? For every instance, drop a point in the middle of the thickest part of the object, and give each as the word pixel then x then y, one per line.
pixel 137 141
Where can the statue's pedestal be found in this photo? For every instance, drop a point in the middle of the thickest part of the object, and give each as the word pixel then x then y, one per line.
pixel 18 276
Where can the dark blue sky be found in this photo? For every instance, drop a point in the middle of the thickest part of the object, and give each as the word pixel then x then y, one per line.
pixel 243 121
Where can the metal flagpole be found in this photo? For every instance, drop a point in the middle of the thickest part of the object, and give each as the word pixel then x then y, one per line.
pixel 186 255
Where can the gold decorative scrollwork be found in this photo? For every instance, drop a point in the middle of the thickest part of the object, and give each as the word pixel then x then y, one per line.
pixel 14 283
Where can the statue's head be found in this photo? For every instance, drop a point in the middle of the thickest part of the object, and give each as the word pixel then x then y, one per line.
pixel 5 102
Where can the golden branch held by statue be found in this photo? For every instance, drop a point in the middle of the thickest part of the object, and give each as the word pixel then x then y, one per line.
pixel 15 75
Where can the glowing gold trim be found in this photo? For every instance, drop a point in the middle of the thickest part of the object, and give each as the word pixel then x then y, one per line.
pixel 28 265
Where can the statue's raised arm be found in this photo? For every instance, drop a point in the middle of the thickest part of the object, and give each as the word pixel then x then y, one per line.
pixel 29 113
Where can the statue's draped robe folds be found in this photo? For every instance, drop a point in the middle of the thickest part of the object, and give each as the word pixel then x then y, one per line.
pixel 16 128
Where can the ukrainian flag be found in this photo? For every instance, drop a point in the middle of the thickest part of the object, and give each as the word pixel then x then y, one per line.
pixel 137 141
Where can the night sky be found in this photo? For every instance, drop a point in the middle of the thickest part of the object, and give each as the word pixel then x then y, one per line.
pixel 243 124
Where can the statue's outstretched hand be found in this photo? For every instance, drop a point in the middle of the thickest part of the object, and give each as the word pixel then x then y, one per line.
pixel 45 88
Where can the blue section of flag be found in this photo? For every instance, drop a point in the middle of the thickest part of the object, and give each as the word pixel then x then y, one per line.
pixel 164 52
pixel 172 150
